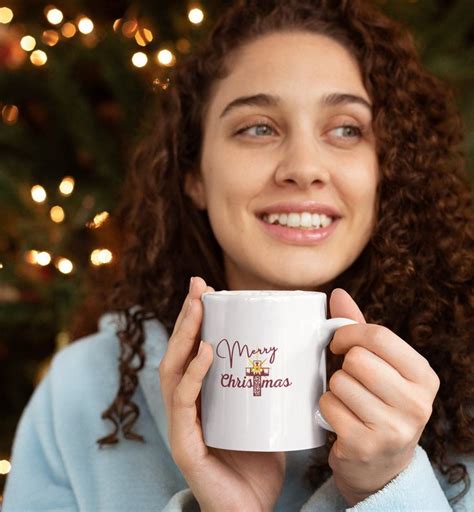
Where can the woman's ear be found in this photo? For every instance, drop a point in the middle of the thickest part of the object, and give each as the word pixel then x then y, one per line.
pixel 194 188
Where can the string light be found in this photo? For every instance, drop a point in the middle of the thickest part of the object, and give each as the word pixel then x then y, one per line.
pixel 129 28
pixel 66 186
pixel 195 16
pixel 57 214
pixel 50 37
pixel 101 257
pixel 53 15
pixel 85 25
pixel 38 58
pixel 1 265
pixel 10 114
pixel 143 36
pixel 68 29
pixel 98 220
pixel 166 58
pixel 6 15
pixel 139 59
pixel 28 43
pixel 5 467
pixel 38 194
pixel 31 257
pixel 117 24
pixel 64 265
pixel 43 258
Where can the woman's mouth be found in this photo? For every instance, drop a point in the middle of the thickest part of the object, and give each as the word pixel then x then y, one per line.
pixel 299 228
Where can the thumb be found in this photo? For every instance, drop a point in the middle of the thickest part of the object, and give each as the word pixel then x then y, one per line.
pixel 341 304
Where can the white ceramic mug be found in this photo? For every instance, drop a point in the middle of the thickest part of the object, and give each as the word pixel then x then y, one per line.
pixel 262 390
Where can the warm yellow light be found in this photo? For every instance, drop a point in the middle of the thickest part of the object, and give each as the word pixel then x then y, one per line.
pixel 117 24
pixel 1 265
pixel 6 15
pixel 57 214
pixel 143 36
pixel 98 220
pixel 28 43
pixel 5 467
pixel 68 29
pixel 10 114
pixel 139 59
pixel 38 193
pixel 64 265
pixel 129 28
pixel 101 257
pixel 166 58
pixel 54 16
pixel 38 58
pixel 31 256
pixel 85 25
pixel 50 37
pixel 43 258
pixel 66 186
pixel 195 15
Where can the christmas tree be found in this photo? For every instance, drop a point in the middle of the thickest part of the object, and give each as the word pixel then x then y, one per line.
pixel 75 79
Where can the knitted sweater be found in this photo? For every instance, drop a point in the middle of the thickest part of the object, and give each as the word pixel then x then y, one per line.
pixel 57 464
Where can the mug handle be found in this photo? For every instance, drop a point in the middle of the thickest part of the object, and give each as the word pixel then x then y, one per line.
pixel 330 326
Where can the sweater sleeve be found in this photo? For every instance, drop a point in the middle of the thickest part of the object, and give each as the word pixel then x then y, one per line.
pixel 415 489
pixel 37 480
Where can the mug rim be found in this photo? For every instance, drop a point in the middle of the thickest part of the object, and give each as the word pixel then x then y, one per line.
pixel 262 293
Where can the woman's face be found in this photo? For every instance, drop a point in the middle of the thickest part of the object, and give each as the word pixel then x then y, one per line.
pixel 297 149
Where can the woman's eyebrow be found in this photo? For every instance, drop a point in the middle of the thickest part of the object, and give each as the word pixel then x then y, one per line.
pixel 269 100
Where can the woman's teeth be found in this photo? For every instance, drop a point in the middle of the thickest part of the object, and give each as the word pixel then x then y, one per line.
pixel 299 220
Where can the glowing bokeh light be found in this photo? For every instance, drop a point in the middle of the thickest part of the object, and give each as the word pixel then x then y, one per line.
pixel 66 186
pixel 28 43
pixel 38 194
pixel 57 214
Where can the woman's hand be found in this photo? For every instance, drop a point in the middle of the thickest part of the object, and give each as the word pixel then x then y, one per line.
pixel 378 403
pixel 223 480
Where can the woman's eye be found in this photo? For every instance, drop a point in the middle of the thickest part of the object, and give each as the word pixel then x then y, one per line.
pixel 265 131
pixel 346 130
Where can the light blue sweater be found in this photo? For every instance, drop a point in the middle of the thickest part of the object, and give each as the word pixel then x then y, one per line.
pixel 57 465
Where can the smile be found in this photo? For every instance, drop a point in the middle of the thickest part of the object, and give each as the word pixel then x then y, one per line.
pixel 298 235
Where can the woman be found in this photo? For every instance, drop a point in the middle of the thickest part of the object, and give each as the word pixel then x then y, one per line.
pixel 323 105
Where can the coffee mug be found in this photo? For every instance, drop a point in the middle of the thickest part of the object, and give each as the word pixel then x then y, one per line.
pixel 268 373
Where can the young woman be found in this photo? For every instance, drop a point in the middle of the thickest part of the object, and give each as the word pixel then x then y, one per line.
pixel 290 108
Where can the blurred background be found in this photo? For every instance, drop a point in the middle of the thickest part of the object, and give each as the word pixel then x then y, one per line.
pixel 75 79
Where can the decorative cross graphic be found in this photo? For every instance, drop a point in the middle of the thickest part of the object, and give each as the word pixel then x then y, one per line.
pixel 257 371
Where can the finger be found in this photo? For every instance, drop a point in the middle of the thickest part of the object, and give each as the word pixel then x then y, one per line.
pixel 380 378
pixel 344 422
pixel 198 286
pixel 184 425
pixel 181 349
pixel 198 336
pixel 180 345
pixel 386 344
pixel 365 405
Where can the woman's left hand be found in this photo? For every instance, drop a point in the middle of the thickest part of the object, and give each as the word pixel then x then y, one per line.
pixel 378 403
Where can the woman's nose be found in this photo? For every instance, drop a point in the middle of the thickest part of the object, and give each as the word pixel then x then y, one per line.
pixel 302 162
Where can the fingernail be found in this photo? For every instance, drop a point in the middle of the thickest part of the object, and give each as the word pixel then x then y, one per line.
pixel 190 305
pixel 190 283
pixel 200 348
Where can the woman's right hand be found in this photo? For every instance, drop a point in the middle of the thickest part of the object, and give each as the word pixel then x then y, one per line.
pixel 223 480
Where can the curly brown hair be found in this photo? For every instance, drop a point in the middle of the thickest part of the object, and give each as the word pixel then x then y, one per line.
pixel 415 274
